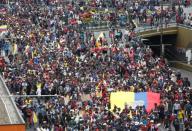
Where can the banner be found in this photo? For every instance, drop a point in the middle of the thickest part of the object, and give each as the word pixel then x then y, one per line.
pixel 147 99
pixel 101 36
pixel 3 28
pixel 103 48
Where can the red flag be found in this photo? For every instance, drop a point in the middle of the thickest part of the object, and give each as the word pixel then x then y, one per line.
pixel 152 99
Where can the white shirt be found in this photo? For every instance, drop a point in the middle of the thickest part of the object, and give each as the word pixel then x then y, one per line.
pixel 38 91
pixel 189 54
pixel 176 106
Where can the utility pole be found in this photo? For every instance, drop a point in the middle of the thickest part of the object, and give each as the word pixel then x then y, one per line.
pixel 161 37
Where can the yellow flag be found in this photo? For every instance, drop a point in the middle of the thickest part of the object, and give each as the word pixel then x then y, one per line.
pixel 98 44
pixel 38 85
pixel 58 46
pixel 34 53
pixel 15 49
pixel 98 93
pixel 34 118
pixel 130 114
pixel 65 64
pixel 135 23
pixel 101 35
pixel 98 85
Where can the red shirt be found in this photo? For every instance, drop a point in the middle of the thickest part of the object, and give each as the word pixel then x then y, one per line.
pixel 180 82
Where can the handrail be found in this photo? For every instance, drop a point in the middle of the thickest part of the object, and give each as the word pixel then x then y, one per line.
pixel 185 26
pixel 4 96
pixel 142 28
pixel 12 101
pixel 174 24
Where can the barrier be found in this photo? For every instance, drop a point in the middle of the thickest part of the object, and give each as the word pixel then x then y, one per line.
pixel 9 127
pixel 183 66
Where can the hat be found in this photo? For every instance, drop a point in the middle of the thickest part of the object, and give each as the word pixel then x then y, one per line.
pixel 152 121
pixel 136 123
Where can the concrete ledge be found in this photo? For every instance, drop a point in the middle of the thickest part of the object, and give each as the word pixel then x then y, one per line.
pixel 183 66
pixel 153 32
pixel 169 32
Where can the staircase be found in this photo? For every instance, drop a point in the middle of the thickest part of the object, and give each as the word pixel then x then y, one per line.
pixel 9 113
pixel 4 118
pixel 172 55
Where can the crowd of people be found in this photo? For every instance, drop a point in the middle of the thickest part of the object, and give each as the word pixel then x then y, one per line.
pixel 50 53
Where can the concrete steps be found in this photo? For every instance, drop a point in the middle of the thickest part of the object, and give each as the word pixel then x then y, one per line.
pixel 4 118
pixel 9 113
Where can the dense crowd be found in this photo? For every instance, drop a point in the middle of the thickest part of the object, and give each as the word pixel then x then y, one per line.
pixel 49 51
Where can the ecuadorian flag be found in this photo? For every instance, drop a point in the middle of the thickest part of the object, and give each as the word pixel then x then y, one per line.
pixel 148 99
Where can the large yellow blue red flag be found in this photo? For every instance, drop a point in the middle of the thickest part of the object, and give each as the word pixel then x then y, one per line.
pixel 147 99
pixel 35 120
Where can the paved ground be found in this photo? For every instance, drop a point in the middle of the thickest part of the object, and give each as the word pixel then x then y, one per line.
pixel 184 73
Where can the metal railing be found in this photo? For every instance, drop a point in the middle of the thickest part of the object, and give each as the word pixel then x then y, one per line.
pixel 106 26
pixel 184 26
pixel 10 96
pixel 148 28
